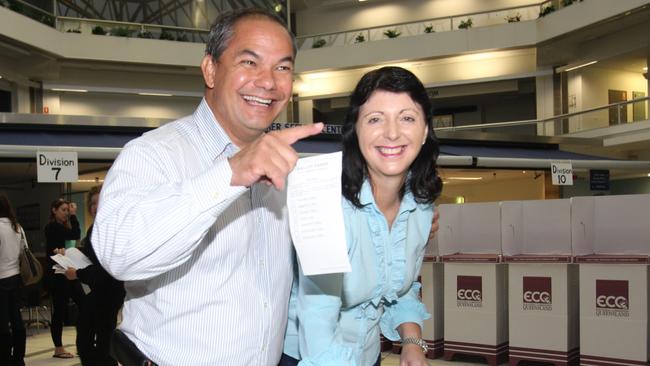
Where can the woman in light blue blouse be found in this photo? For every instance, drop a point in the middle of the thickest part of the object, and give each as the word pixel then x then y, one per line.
pixel 389 186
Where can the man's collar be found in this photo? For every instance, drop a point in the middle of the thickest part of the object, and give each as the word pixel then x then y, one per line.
pixel 216 139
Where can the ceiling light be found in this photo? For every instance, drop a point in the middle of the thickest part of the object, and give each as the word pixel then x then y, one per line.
pixel 70 90
pixel 156 94
pixel 648 174
pixel 645 68
pixel 579 66
pixel 464 178
pixel 0 76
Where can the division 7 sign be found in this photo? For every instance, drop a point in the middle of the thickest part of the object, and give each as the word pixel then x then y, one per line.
pixel 57 167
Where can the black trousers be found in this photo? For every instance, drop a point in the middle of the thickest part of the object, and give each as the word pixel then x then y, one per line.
pixel 61 289
pixel 12 339
pixel 287 360
pixel 94 329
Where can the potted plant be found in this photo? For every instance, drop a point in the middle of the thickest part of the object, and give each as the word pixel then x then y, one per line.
pixel 546 10
pixel 392 33
pixel 359 38
pixel 98 30
pixel 513 18
pixel 166 35
pixel 145 34
pixel 465 24
pixel 121 32
pixel 73 30
pixel 429 29
pixel 318 43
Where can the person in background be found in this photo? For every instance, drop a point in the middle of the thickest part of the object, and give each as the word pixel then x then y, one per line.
pixel 62 226
pixel 98 314
pixel 389 184
pixel 12 339
pixel 192 215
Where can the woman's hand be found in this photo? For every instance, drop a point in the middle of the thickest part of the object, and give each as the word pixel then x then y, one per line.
pixel 59 251
pixel 72 208
pixel 412 355
pixel 71 273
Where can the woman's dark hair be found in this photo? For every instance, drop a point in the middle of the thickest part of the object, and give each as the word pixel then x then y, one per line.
pixel 95 190
pixel 422 177
pixel 55 206
pixel 223 29
pixel 7 211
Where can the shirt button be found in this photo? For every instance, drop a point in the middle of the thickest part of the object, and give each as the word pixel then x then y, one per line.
pixel 216 195
pixel 263 348
pixel 266 304
pixel 261 262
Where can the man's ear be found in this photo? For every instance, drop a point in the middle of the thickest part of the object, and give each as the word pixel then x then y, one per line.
pixel 208 67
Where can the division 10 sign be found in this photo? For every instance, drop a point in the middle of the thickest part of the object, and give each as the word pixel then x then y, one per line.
pixel 561 174
pixel 57 167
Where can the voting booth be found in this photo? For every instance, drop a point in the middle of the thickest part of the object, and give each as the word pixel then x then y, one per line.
pixel 542 282
pixel 611 241
pixel 475 282
pixel 431 278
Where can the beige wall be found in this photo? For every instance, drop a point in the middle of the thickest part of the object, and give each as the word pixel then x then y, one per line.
pixel 498 190
pixel 590 85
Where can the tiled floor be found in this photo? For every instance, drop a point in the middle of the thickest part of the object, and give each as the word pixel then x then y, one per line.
pixel 40 350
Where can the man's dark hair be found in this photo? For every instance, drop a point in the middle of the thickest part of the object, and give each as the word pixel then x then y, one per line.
pixel 422 178
pixel 223 29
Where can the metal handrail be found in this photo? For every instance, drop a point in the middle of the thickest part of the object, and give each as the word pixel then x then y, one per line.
pixel 133 24
pixel 548 119
pixel 300 38
pixel 540 4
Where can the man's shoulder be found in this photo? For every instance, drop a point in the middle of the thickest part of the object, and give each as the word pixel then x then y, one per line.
pixel 172 133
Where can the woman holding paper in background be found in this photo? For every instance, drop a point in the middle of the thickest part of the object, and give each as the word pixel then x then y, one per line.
pixel 62 226
pixel 98 315
pixel 389 186
pixel 12 340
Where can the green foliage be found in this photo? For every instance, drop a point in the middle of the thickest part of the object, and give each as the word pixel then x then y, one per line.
pixel 547 10
pixel 145 34
pixel 73 30
pixel 166 35
pixel 429 29
pixel 513 18
pixel 318 43
pixel 392 33
pixel 98 30
pixel 121 32
pixel 16 6
pixel 465 24
pixel 359 38
pixel 182 38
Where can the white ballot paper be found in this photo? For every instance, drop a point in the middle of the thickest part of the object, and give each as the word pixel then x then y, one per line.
pixel 316 216
pixel 73 258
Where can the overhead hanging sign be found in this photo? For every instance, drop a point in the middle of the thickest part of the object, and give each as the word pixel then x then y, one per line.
pixel 57 166
pixel 561 173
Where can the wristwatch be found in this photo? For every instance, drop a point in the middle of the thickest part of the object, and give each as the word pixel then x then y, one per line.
pixel 419 341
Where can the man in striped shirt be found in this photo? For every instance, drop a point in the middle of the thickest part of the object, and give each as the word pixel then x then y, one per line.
pixel 193 215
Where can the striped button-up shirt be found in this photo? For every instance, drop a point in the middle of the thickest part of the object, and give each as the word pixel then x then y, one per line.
pixel 207 265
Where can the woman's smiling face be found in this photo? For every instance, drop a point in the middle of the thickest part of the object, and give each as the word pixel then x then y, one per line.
pixel 391 131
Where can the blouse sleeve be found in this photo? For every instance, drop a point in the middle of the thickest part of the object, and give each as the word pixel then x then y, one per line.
pixel 319 306
pixel 408 308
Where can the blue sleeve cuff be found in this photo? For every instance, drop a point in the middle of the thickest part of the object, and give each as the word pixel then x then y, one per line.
pixel 408 309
